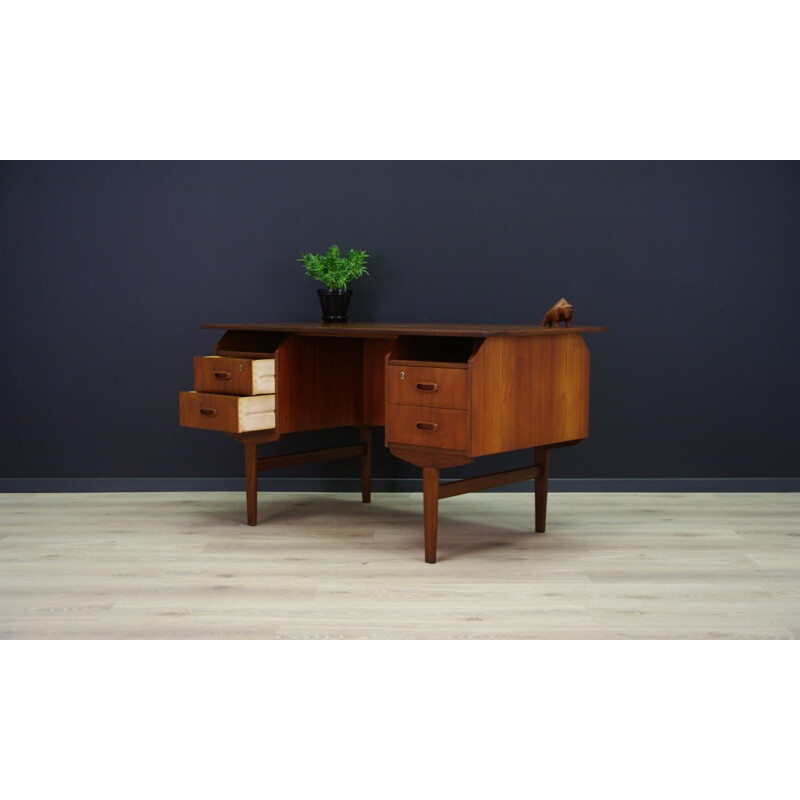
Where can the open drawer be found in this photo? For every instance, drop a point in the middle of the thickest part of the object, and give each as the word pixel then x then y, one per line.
pixel 227 413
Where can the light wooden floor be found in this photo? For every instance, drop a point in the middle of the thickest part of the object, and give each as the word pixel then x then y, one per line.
pixel 611 566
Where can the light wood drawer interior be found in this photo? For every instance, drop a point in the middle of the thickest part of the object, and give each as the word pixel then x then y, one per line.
pixel 239 376
pixel 445 428
pixel 227 413
pixel 437 387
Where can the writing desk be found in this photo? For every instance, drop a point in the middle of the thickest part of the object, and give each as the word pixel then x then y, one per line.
pixel 444 394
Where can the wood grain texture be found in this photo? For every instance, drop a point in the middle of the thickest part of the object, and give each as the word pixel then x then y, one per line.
pixel 444 428
pixel 426 386
pixel 227 413
pixel 374 359
pixel 240 376
pixel 528 392
pixel 430 457
pixel 612 566
pixel 319 383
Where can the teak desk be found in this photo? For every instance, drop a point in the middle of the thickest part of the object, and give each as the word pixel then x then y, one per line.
pixel 445 394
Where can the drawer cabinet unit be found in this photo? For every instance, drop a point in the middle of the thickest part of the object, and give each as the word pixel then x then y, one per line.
pixel 232 394
pixel 428 394
pixel 439 387
pixel 243 376
pixel 227 413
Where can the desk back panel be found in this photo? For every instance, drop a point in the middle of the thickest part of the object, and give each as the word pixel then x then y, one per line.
pixel 319 383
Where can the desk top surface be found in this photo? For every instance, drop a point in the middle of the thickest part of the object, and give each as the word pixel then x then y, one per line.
pixel 391 329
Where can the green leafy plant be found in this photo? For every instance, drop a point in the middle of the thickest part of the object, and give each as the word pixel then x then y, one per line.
pixel 334 269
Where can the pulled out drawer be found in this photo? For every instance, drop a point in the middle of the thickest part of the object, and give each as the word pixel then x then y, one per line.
pixel 226 413
pixel 240 376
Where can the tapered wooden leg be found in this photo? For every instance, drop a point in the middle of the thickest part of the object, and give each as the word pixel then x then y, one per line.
pixel 430 490
pixel 541 455
pixel 251 482
pixel 365 433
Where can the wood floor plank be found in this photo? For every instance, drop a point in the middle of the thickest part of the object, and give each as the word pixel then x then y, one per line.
pixel 319 566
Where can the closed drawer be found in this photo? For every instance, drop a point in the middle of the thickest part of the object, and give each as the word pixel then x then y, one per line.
pixel 220 412
pixel 437 387
pixel 241 376
pixel 445 428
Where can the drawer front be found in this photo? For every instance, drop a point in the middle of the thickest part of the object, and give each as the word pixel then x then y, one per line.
pixel 220 412
pixel 239 376
pixel 436 387
pixel 445 428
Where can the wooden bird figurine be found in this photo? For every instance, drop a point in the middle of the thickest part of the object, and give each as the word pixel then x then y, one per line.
pixel 562 310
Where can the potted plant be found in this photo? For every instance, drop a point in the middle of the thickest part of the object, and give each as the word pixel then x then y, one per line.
pixel 335 271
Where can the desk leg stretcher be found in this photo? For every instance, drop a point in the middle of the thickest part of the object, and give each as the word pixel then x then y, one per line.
pixel 432 488
pixel 432 462
pixel 253 464
pixel 433 491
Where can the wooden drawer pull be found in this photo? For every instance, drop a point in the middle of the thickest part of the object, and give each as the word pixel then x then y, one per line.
pixel 208 412
pixel 223 376
pixel 427 426
pixel 428 387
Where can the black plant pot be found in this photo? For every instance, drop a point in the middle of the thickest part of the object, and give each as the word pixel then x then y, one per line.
pixel 334 304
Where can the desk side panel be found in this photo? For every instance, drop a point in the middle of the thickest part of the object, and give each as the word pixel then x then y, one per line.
pixel 527 392
pixel 318 383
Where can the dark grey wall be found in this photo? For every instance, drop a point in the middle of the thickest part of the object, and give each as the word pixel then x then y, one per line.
pixel 108 269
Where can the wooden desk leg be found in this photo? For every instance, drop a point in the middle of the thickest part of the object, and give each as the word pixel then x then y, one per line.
pixel 365 434
pixel 251 482
pixel 541 456
pixel 432 462
pixel 430 490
